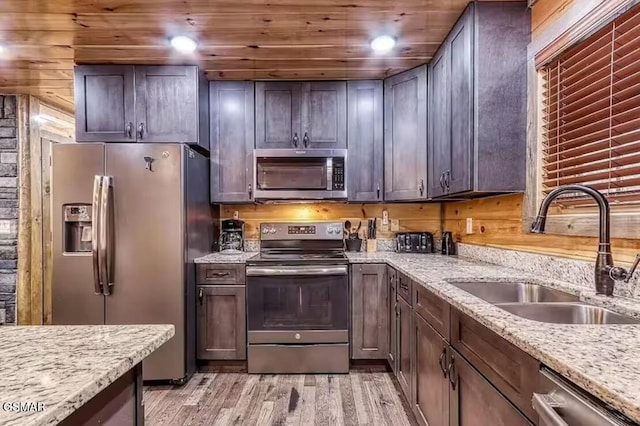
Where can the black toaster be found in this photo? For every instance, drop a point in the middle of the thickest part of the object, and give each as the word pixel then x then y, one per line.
pixel 414 242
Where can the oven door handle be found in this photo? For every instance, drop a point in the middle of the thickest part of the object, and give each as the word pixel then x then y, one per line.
pixel 254 271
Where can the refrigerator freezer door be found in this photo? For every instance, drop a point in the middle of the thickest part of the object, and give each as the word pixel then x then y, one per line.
pixel 74 299
pixel 148 247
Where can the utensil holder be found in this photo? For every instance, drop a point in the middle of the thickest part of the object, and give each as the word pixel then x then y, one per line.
pixel 353 244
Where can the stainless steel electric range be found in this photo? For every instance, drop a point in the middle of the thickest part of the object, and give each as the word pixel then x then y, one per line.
pixel 298 300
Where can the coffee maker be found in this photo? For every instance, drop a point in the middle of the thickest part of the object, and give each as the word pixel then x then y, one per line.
pixel 232 236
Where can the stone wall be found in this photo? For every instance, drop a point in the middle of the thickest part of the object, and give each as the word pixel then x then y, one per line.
pixel 8 207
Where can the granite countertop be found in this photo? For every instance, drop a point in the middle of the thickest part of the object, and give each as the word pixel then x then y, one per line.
pixel 218 257
pixel 602 359
pixel 63 367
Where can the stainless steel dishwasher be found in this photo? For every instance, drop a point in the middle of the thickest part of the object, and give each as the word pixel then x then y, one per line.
pixel 562 404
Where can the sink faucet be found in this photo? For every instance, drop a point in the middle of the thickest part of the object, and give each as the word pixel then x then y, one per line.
pixel 606 274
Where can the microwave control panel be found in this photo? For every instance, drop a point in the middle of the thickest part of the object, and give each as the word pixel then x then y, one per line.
pixel 338 174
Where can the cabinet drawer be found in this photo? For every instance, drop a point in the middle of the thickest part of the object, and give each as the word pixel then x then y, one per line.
pixel 232 274
pixel 432 308
pixel 404 287
pixel 509 369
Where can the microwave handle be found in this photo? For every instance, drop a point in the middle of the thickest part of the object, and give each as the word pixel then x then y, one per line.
pixel 295 140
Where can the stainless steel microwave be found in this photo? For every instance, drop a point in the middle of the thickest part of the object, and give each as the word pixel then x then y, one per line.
pixel 300 174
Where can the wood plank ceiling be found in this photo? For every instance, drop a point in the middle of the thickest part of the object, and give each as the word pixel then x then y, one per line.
pixel 238 39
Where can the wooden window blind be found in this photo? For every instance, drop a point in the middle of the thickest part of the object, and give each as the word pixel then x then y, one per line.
pixel 591 132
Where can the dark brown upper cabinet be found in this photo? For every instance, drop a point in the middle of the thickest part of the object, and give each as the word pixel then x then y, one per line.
pixel 278 114
pixel 301 114
pixel 405 136
pixel 477 103
pixel 104 99
pixel 127 103
pixel 365 165
pixel 324 114
pixel 232 141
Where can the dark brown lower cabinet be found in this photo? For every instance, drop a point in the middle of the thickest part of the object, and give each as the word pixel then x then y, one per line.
pixel 369 312
pixel 221 323
pixel 452 370
pixel 392 356
pixel 431 387
pixel 405 350
pixel 475 402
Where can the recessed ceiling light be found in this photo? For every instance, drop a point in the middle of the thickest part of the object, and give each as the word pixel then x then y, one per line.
pixel 183 44
pixel 383 44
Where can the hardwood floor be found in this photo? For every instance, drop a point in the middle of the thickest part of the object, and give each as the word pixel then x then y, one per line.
pixel 361 397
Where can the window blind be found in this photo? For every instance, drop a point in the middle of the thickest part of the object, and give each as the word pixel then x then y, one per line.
pixel 591 131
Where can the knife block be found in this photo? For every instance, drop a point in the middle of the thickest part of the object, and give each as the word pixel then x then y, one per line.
pixel 372 245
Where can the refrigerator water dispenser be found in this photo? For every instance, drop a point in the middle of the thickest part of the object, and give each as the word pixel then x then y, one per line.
pixel 77 228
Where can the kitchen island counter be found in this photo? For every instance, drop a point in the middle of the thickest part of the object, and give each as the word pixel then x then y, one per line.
pixel 55 370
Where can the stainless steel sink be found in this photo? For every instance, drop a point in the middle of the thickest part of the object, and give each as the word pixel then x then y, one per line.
pixel 566 313
pixel 506 292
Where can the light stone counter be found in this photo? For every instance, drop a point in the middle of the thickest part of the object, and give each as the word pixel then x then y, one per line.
pixel 225 258
pixel 63 367
pixel 602 359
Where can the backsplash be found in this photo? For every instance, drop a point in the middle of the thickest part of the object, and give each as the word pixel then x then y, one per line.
pixel 409 217
pixel 577 272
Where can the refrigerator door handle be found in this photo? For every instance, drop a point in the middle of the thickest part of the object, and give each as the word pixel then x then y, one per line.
pixel 104 235
pixel 95 225
pixel 109 226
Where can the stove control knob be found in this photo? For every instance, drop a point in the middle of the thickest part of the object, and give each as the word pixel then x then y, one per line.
pixel 297 336
pixel 273 230
pixel 265 230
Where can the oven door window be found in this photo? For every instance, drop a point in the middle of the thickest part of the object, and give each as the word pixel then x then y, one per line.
pixel 292 174
pixel 297 303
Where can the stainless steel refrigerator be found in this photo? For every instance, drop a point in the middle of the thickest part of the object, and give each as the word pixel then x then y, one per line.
pixel 128 219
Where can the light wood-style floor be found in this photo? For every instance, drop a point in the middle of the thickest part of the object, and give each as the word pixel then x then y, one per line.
pixel 358 398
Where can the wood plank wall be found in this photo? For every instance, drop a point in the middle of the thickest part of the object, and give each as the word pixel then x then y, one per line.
pixel 545 12
pixel 497 222
pixel 410 217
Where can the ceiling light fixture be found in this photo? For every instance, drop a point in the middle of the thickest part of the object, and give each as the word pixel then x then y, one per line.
pixel 383 44
pixel 183 44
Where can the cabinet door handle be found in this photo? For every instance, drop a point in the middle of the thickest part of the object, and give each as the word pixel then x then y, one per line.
pixel 200 296
pixel 421 187
pixel 250 190
pixel 378 190
pixel 220 274
pixel 404 286
pixel 305 140
pixel 128 130
pixel 452 373
pixel 442 364
pixel 447 179
pixel 140 130
pixel 442 181
pixel 295 140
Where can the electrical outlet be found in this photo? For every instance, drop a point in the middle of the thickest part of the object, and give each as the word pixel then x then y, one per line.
pixel 236 214
pixel 395 225
pixel 469 225
pixel 385 217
